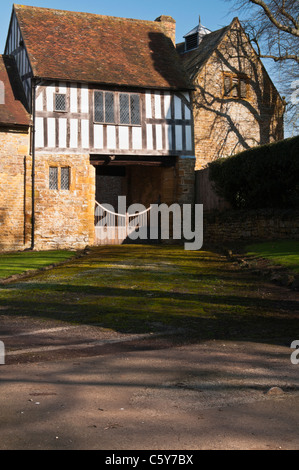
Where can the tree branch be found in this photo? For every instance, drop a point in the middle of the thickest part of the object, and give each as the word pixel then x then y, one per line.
pixel 278 24
pixel 280 58
pixel 288 16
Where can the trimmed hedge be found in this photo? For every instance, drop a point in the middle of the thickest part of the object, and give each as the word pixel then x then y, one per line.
pixel 261 177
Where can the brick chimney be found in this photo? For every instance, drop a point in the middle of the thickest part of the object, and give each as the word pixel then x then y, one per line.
pixel 168 24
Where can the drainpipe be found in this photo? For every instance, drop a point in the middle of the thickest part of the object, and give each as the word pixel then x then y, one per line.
pixel 33 166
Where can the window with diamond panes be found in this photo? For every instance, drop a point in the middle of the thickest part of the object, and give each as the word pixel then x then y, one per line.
pixel 104 107
pixel 60 102
pixel 109 108
pixel 135 109
pixel 124 109
pixel 98 106
pixel 65 178
pixel 129 109
pixel 53 177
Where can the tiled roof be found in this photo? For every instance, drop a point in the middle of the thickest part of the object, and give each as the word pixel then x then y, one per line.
pixel 12 111
pixel 92 48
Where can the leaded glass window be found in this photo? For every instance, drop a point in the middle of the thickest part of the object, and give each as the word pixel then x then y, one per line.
pixel 106 103
pixel 98 106
pixel 104 107
pixel 53 177
pixel 109 107
pixel 129 109
pixel 65 178
pixel 124 109
pixel 135 109
pixel 60 102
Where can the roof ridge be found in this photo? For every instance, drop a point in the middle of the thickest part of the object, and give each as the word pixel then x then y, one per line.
pixel 28 7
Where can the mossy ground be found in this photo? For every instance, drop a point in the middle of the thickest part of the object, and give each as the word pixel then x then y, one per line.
pixel 135 288
pixel 16 263
pixel 282 252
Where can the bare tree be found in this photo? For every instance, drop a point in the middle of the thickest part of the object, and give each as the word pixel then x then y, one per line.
pixel 273 28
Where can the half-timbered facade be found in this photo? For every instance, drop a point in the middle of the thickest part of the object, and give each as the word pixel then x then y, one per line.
pixel 111 113
pixel 74 117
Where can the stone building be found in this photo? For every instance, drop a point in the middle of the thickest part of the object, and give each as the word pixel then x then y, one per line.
pixel 15 161
pixel 111 113
pixel 108 107
pixel 235 104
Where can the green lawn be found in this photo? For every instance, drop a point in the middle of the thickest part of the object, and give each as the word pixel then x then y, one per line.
pixel 142 289
pixel 17 263
pixel 283 252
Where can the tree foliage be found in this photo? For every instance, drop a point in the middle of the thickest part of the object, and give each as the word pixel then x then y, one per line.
pixel 273 28
pixel 261 177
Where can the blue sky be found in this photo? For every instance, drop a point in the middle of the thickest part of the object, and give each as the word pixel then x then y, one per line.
pixel 214 13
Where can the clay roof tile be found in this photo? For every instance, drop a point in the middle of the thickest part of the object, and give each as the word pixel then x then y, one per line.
pixel 85 47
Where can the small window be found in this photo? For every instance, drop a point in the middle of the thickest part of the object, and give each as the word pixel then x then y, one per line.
pixel 59 174
pixel 124 108
pixel 60 102
pixel 135 109
pixel 109 108
pixel 127 104
pixel 129 109
pixel 53 177
pixel 65 178
pixel 235 87
pixel 104 107
pixel 98 106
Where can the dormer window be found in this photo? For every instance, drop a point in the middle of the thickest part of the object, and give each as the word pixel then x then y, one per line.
pixel 195 36
pixel 191 42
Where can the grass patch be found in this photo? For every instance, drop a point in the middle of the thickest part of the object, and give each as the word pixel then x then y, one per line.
pixel 18 263
pixel 145 289
pixel 282 252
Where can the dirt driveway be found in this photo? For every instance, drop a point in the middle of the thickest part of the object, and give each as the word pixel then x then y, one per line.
pixel 146 394
pixel 68 386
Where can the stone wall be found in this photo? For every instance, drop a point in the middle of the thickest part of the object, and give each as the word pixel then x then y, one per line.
pixel 64 218
pixel 15 190
pixel 185 180
pixel 235 226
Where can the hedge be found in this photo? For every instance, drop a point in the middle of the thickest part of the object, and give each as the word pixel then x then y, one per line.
pixel 261 177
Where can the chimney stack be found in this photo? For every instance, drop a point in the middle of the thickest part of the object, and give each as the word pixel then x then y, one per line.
pixel 168 24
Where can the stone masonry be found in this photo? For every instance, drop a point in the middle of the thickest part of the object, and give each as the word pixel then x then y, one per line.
pixel 15 190
pixel 64 218
pixel 227 124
